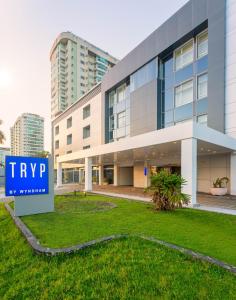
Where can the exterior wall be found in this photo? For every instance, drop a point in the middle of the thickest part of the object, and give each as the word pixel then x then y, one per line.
pixel 230 108
pixel 143 109
pixel 193 17
pixel 126 176
pixel 78 123
pixel 210 168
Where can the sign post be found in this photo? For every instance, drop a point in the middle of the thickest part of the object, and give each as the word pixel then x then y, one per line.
pixel 30 181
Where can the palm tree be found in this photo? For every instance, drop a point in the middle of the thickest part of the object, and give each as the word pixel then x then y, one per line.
pixel 2 136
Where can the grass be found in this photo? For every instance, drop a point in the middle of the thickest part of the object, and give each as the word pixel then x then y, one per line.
pixel 122 269
pixel 209 233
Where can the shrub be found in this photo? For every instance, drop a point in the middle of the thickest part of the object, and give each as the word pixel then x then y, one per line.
pixel 220 182
pixel 167 191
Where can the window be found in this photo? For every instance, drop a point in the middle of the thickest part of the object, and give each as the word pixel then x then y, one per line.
pixel 144 75
pixel 112 95
pixel 57 130
pixel 202 119
pixel 69 122
pixel 184 56
pixel 56 144
pixel 68 152
pixel 184 93
pixel 202 86
pixel 121 119
pixel 86 111
pixel 121 93
pixel 111 122
pixel 86 147
pixel 202 44
pixel 86 132
pixel 69 139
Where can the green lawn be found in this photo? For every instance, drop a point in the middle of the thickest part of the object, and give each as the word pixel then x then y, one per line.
pixel 129 268
pixel 209 233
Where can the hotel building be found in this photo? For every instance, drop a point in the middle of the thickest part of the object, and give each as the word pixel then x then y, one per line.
pixel 170 103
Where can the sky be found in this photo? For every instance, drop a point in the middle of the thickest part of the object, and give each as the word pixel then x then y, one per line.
pixel 29 27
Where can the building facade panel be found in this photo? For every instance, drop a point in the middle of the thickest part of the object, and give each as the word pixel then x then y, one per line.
pixel 143 109
pixel 230 84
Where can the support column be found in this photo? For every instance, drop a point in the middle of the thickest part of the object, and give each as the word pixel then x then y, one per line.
pixel 100 174
pixel 116 175
pixel 81 175
pixel 189 168
pixel 59 174
pixel 88 174
pixel 233 174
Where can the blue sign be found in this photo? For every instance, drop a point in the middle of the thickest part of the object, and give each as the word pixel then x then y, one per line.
pixel 145 171
pixel 26 176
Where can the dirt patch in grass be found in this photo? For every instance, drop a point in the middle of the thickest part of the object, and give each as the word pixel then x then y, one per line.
pixel 83 206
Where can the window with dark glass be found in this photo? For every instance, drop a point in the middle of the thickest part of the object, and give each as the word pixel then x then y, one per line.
pixel 111 122
pixel 57 130
pixel 86 147
pixel 56 144
pixel 86 132
pixel 68 152
pixel 69 139
pixel 69 122
pixel 86 111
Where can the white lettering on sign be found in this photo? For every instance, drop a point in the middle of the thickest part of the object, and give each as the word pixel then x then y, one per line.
pixel 12 169
pixel 23 172
pixel 33 167
pixel 42 169
pixel 27 169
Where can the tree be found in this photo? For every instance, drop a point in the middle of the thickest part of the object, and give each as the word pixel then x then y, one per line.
pixel 43 154
pixel 2 136
pixel 167 191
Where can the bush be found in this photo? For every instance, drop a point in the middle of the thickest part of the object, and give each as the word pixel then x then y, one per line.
pixel 167 191
pixel 220 182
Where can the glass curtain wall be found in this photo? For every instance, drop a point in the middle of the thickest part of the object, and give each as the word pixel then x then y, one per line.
pixel 184 74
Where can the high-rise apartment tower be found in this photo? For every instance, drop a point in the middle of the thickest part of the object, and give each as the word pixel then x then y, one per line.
pixel 76 66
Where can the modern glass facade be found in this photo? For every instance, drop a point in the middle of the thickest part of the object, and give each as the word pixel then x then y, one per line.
pixel 118 112
pixel 184 79
pixel 144 75
pixel 182 88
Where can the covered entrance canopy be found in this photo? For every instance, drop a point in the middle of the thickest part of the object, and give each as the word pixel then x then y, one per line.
pixel 181 145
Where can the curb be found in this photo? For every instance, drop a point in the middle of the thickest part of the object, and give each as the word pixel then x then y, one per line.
pixel 34 243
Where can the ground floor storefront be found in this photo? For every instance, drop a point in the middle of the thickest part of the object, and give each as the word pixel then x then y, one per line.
pixel 198 153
